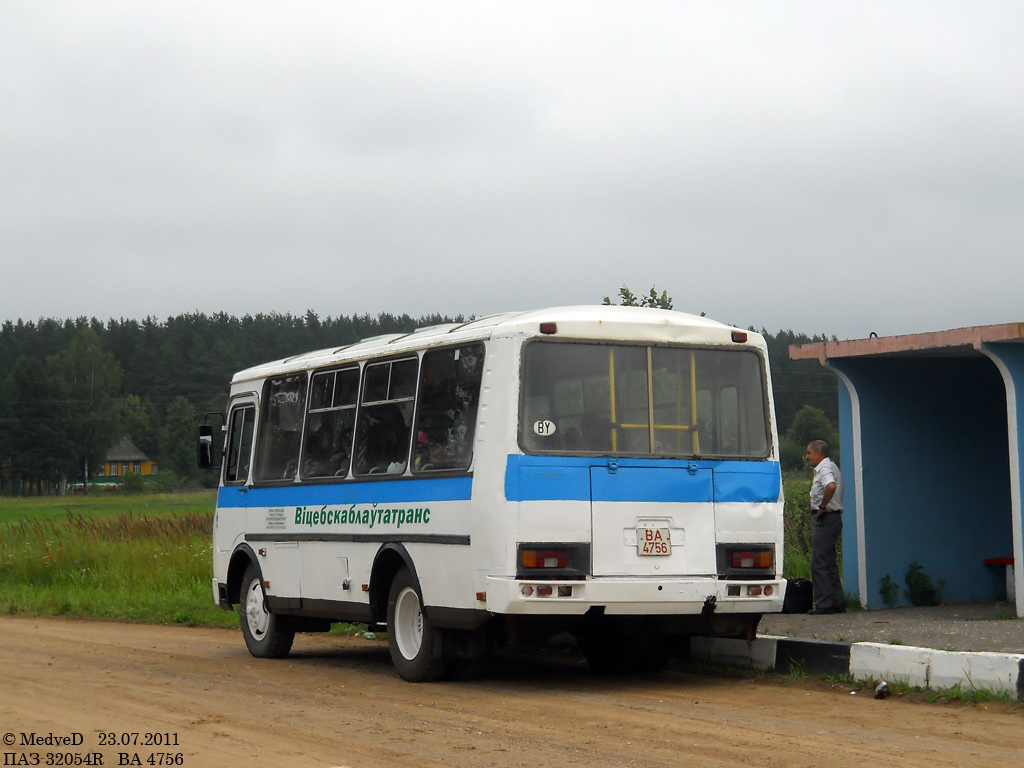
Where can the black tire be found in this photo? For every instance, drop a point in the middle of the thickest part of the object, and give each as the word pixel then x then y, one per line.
pixel 267 635
pixel 412 639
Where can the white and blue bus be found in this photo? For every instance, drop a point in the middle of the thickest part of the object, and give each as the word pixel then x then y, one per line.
pixel 610 472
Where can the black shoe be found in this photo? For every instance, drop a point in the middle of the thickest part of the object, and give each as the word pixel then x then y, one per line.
pixel 822 611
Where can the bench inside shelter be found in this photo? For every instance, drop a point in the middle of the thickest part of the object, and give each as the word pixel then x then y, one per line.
pixel 1011 593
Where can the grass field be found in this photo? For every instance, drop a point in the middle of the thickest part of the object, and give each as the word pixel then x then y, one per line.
pixel 146 557
pixel 109 556
pixel 797 537
pixel 104 503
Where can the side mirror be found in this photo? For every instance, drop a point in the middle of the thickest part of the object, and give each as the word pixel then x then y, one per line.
pixel 210 449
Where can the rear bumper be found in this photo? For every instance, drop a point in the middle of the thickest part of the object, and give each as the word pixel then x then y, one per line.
pixel 633 596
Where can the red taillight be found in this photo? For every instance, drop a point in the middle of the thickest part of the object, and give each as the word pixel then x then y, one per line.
pixel 739 336
pixel 548 328
pixel 752 559
pixel 532 558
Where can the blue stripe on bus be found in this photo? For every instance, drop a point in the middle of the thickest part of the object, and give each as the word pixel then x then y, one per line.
pixel 412 491
pixel 551 478
pixel 544 478
pixel 748 484
pixel 651 484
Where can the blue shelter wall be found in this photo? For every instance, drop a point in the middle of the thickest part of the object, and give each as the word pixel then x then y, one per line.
pixel 936 486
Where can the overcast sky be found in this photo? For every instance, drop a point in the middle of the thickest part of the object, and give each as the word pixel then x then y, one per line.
pixel 822 167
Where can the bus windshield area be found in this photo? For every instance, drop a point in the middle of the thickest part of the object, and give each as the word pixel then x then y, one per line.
pixel 643 400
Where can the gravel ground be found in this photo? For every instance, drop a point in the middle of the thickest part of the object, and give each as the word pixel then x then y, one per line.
pixel 337 701
pixel 949 627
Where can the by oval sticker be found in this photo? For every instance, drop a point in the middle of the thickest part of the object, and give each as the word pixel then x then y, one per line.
pixel 544 427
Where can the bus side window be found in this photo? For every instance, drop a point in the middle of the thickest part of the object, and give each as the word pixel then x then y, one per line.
pixel 236 468
pixel 280 433
pixel 329 428
pixel 449 395
pixel 382 435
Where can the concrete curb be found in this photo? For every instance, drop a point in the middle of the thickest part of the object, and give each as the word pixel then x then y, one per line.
pixel 921 667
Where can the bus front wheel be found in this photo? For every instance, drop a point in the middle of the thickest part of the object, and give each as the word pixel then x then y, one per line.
pixel 412 639
pixel 267 635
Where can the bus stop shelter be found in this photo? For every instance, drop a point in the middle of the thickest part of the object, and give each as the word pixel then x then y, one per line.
pixel 931 427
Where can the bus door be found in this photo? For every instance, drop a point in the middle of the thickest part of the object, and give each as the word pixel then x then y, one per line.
pixel 652 520
pixel 233 497
pixel 271 509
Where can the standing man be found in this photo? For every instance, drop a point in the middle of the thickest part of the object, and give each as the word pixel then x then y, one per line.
pixel 827 507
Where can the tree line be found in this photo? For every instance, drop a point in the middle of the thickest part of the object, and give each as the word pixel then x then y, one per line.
pixel 69 389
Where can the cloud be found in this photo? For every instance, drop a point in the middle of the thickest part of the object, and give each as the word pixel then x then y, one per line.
pixel 757 162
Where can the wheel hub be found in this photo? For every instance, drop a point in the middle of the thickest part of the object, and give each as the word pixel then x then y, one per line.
pixel 256 613
pixel 408 623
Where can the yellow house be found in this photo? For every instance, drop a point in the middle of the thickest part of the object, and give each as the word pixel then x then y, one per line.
pixel 122 459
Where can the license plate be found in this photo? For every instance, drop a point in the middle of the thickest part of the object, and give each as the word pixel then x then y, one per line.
pixel 653 541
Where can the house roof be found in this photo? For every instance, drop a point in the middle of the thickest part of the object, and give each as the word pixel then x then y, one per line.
pixel 126 450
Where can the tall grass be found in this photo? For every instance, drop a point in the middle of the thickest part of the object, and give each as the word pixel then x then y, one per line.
pixel 798 529
pixel 123 567
pixel 797 536
pixel 103 503
pixel 147 558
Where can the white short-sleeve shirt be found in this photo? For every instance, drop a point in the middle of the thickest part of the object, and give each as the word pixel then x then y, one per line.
pixel 827 472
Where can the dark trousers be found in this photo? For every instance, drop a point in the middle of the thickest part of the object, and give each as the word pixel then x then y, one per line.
pixel 828 588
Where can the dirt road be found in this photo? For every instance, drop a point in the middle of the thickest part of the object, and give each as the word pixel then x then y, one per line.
pixel 337 702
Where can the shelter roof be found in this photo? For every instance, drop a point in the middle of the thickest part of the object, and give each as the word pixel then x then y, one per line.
pixel 959 342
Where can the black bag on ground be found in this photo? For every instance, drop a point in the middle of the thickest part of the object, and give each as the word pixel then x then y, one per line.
pixel 799 596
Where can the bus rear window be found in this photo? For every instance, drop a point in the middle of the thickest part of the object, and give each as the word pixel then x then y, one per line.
pixel 642 400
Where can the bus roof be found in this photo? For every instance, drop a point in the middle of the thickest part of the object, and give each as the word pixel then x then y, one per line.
pixel 587 321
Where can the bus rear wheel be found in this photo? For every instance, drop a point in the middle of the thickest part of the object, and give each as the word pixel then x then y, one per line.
pixel 267 635
pixel 412 639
